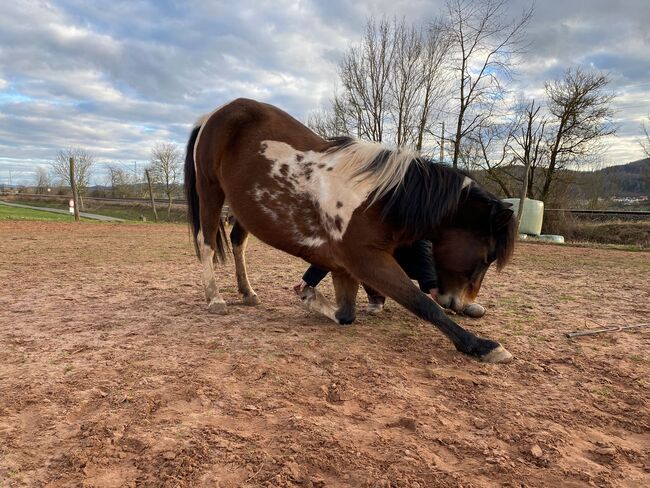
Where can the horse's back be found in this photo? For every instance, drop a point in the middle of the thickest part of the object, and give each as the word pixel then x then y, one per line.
pixel 232 151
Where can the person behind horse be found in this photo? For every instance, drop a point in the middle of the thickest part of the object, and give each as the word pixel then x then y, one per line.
pixel 416 260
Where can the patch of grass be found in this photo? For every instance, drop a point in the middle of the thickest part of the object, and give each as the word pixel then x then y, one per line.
pixel 16 213
pixel 567 298
pixel 603 391
pixel 137 212
pixel 638 358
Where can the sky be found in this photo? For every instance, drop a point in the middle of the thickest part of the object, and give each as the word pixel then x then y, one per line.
pixel 118 77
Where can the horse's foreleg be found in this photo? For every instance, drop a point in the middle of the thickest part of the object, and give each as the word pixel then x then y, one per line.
pixel 239 240
pixel 379 270
pixel 345 288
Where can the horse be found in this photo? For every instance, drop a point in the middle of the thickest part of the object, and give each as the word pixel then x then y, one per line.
pixel 343 205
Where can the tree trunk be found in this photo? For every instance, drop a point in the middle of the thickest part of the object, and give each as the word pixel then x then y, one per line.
pixel 73 187
pixel 524 192
pixel 169 206
pixel 153 202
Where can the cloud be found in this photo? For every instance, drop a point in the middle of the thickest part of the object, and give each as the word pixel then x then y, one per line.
pixel 116 77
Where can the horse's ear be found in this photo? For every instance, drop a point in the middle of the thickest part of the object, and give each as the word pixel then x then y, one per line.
pixel 503 216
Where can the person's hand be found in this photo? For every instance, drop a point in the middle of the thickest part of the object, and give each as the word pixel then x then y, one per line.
pixel 434 294
pixel 299 287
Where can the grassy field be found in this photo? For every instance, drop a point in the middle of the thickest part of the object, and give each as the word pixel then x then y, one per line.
pixel 127 211
pixel 15 213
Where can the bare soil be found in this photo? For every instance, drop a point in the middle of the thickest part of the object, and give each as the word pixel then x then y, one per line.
pixel 113 374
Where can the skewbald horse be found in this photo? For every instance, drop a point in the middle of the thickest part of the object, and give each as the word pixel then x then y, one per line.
pixel 343 205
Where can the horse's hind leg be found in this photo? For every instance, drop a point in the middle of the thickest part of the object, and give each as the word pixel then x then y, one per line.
pixel 209 235
pixel 239 240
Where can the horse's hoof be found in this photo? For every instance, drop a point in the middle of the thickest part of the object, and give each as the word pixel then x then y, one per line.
pixel 251 300
pixel 218 307
pixel 498 355
pixel 374 308
pixel 473 310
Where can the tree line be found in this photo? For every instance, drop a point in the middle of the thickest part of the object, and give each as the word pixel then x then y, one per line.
pixel 443 88
pixel 164 170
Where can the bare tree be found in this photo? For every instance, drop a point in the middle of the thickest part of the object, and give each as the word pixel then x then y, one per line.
pixel 645 142
pixel 43 180
pixel 120 181
pixel 485 42
pixel 433 84
pixel 330 122
pixel 417 81
pixel 528 146
pixel 491 144
pixel 580 115
pixel 165 168
pixel 365 77
pixel 84 162
pixel 403 81
pixel 391 85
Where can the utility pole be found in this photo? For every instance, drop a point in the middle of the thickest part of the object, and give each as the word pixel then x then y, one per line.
pixel 73 186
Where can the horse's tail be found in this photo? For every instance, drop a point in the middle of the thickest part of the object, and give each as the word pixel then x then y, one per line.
pixel 191 195
pixel 193 203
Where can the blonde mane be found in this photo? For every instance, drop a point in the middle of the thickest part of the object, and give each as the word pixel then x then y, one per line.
pixel 372 165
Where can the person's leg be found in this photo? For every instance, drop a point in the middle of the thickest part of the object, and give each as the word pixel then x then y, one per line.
pixel 376 300
pixel 312 277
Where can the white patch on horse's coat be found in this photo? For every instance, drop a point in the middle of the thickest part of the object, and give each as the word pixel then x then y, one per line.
pixel 312 241
pixel 262 194
pixel 467 182
pixel 319 176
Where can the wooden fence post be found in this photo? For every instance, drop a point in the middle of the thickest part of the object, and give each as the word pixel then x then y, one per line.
pixel 73 186
pixel 153 202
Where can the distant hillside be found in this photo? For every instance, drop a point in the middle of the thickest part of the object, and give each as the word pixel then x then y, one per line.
pixel 627 181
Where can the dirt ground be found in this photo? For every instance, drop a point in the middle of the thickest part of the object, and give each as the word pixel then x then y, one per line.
pixel 113 374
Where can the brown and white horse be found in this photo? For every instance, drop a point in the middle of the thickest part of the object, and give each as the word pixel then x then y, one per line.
pixel 344 205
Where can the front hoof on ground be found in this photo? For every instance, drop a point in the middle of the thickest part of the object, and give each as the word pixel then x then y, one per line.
pixel 251 300
pixel 498 355
pixel 345 320
pixel 218 307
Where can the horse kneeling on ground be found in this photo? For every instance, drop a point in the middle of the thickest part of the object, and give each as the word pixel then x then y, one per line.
pixel 343 205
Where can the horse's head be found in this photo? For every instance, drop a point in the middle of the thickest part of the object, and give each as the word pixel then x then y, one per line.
pixel 482 231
